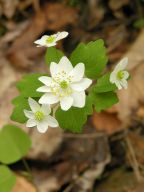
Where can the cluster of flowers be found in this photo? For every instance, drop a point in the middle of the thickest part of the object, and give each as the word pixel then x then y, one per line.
pixel 66 86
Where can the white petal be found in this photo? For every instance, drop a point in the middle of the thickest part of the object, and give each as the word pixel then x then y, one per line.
pixel 48 98
pixel 31 123
pixel 45 80
pixel 66 103
pixel 122 64
pixel 78 72
pixel 118 84
pixel 113 77
pixel 79 99
pixel 44 89
pixel 50 44
pixel 29 114
pixel 65 65
pixel 124 83
pixel 42 40
pixel 46 109
pixel 126 74
pixel 61 35
pixel 81 85
pixel 42 126
pixel 52 122
pixel 53 68
pixel 33 105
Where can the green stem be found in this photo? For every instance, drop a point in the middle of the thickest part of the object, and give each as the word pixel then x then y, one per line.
pixel 27 169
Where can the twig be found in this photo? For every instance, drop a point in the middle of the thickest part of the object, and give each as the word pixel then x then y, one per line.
pixel 135 164
pixel 84 136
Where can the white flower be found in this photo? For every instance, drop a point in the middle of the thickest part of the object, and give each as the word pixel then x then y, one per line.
pixel 119 75
pixel 39 116
pixel 50 40
pixel 67 85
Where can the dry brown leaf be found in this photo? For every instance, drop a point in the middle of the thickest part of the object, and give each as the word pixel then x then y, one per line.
pixel 23 185
pixel 106 122
pixel 9 7
pixel 115 5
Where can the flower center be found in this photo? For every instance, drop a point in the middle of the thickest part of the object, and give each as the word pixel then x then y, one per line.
pixel 50 39
pixel 39 116
pixel 120 75
pixel 64 85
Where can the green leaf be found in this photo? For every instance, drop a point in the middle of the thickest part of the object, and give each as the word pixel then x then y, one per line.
pixel 93 55
pixel 53 55
pixel 20 104
pixel 7 179
pixel 104 85
pixel 28 85
pixel 74 119
pixel 103 101
pixel 14 144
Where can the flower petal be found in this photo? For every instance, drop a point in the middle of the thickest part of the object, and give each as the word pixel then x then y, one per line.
pixel 44 89
pixel 66 103
pixel 124 83
pixel 118 84
pixel 42 40
pixel 46 109
pixel 126 74
pixel 65 65
pixel 77 73
pixel 50 44
pixel 31 123
pixel 79 99
pixel 48 98
pixel 29 114
pixel 45 80
pixel 81 85
pixel 122 64
pixel 53 68
pixel 33 105
pixel 42 126
pixel 52 122
pixel 61 35
pixel 113 76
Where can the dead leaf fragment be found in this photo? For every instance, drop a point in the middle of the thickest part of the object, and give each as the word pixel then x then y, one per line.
pixel 23 185
pixel 106 122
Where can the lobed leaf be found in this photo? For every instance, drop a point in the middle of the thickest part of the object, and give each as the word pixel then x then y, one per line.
pixel 93 55
pixel 74 119
pixel 103 101
pixel 104 85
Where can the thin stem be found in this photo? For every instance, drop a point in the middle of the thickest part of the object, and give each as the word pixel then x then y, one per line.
pixel 135 163
pixel 27 169
pixel 55 109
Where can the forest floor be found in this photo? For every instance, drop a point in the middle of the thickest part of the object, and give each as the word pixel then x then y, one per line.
pixel 109 155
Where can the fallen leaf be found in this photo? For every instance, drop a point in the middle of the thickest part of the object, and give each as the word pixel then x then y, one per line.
pixel 23 185
pixel 53 16
pixel 106 122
